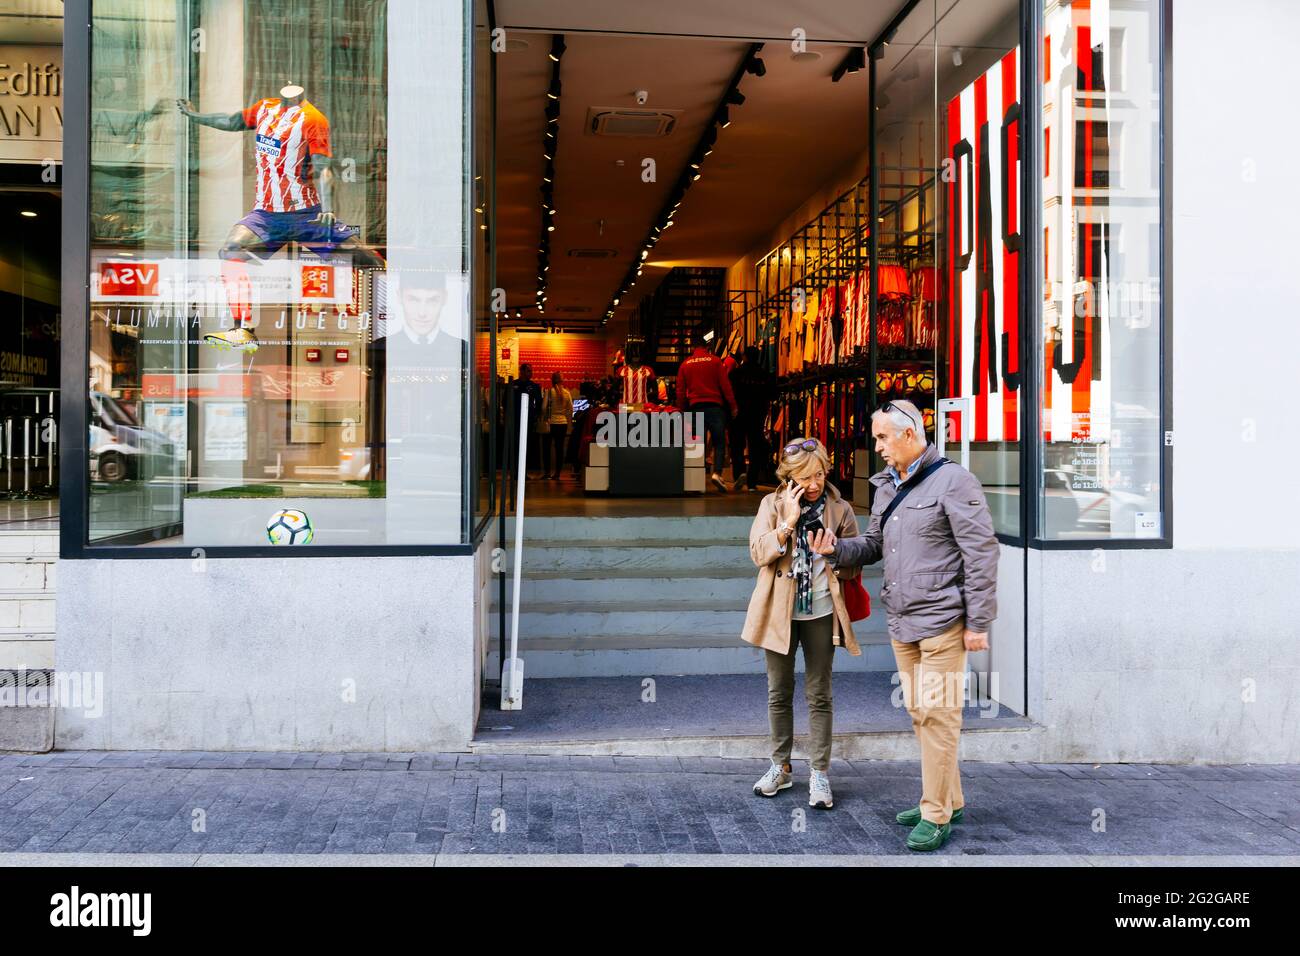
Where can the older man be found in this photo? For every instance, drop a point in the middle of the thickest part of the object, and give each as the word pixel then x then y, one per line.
pixel 931 525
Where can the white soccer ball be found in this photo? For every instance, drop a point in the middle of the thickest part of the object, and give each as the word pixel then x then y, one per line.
pixel 288 526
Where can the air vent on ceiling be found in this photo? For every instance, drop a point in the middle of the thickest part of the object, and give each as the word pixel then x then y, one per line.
pixel 614 121
pixel 593 253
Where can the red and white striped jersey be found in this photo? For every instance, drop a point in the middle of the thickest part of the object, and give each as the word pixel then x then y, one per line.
pixel 634 383
pixel 825 329
pixel 862 316
pixel 286 139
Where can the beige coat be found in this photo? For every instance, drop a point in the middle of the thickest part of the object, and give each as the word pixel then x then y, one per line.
pixel 767 623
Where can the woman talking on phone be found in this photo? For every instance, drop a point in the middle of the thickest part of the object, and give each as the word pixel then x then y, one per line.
pixel 799 602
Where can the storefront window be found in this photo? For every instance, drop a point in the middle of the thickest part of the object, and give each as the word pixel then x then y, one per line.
pixel 279 304
pixel 947 274
pixel 1101 299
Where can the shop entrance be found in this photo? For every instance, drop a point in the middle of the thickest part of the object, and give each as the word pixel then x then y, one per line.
pixel 699 187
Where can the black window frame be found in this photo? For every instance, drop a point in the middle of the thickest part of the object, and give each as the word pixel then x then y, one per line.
pixel 1031 280
pixel 74 463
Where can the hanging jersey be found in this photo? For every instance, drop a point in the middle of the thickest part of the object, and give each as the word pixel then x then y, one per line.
pixel 826 322
pixel 816 304
pixel 286 139
pixel 798 322
pixel 634 383
pixel 862 323
pixel 849 316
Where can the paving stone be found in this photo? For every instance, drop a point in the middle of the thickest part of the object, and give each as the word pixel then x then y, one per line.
pixel 144 802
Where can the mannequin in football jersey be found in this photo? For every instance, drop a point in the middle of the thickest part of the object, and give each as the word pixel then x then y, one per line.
pixel 295 198
pixel 635 378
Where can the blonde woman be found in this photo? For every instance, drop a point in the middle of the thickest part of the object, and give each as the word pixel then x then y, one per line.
pixel 557 420
pixel 797 602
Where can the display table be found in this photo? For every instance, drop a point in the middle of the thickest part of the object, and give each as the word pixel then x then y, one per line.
pixel 634 460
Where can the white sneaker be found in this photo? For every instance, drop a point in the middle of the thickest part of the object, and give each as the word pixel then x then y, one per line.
pixel 717 480
pixel 819 790
pixel 773 782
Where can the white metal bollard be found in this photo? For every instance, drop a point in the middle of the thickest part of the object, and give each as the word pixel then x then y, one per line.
pixel 512 674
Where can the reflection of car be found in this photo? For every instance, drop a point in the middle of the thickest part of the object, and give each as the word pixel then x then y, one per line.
pixel 354 463
pixel 119 447
pixel 1075 501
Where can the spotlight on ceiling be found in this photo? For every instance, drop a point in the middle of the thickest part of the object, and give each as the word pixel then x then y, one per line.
pixel 724 117
pixel 554 90
pixel 735 97
pixel 755 66
pixel 557 48
pixel 855 61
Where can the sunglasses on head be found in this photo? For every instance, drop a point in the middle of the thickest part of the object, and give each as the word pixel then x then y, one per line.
pixel 807 444
pixel 891 407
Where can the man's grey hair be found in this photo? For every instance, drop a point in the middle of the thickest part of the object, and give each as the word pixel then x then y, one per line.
pixel 901 420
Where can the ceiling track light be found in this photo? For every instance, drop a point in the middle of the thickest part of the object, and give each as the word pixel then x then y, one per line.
pixel 557 48
pixel 721 120
pixel 553 91
pixel 852 63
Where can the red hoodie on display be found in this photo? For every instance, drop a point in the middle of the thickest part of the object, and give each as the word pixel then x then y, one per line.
pixel 701 380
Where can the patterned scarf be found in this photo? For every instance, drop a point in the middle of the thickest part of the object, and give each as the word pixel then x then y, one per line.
pixel 809 512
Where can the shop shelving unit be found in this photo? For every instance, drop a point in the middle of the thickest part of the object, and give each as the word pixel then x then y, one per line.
pixel 831 248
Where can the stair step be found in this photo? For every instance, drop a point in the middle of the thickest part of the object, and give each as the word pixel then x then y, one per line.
pixel 600 589
pixel 635 574
pixel 607 527
pixel 734 657
pixel 675 557
pixel 646 642
pixel 631 621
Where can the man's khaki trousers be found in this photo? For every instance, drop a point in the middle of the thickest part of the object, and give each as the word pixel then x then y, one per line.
pixel 932 672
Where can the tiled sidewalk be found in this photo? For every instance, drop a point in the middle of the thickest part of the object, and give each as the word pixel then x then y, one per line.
pixel 287 803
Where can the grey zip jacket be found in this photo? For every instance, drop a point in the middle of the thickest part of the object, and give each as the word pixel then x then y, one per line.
pixel 940 552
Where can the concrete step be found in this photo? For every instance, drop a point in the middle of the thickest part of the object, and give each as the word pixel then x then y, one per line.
pixel 593 586
pixel 675 654
pixel 658 554
pixel 599 586
pixel 631 618
pixel 1002 740
pixel 689 527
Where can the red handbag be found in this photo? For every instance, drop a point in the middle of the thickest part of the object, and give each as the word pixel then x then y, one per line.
pixel 856 599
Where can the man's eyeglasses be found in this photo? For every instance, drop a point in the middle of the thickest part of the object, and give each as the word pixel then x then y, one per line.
pixel 808 444
pixel 892 407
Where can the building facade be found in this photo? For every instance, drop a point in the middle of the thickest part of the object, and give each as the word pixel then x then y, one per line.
pixel 1116 369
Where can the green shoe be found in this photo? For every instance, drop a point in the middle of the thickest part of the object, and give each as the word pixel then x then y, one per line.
pixel 910 818
pixel 927 836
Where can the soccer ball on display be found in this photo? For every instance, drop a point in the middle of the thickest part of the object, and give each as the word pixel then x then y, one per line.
pixel 288 526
